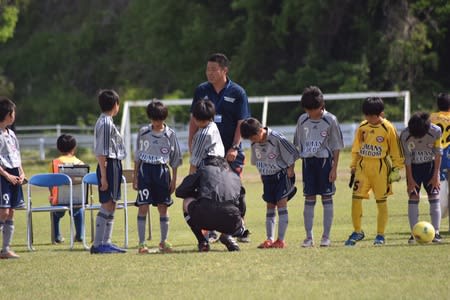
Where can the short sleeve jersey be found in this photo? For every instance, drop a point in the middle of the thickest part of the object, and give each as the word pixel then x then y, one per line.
pixel 231 105
pixel 158 148
pixel 442 120
pixel 107 139
pixel 274 154
pixel 421 150
pixel 9 149
pixel 318 138
pixel 206 142
pixel 377 141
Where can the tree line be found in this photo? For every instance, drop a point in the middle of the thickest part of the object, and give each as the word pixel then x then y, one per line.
pixel 55 55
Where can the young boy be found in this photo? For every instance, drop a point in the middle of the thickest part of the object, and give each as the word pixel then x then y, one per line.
pixel 157 148
pixel 442 120
pixel 11 176
pixel 319 140
pixel 376 160
pixel 274 157
pixel 206 142
pixel 421 144
pixel 66 145
pixel 109 150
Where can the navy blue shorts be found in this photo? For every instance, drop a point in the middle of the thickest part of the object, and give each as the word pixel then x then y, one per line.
pixel 11 195
pixel 153 185
pixel 278 187
pixel 422 174
pixel 114 178
pixel 316 172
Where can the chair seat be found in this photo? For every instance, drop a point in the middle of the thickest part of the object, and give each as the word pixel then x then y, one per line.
pixel 50 208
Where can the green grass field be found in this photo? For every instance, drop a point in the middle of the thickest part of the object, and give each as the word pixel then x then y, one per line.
pixel 394 271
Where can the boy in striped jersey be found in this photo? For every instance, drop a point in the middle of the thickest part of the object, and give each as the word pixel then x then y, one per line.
pixel 421 143
pixel 319 140
pixel 376 159
pixel 157 148
pixel 109 150
pixel 274 157
pixel 206 142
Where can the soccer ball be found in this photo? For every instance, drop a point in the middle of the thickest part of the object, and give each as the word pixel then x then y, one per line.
pixel 423 232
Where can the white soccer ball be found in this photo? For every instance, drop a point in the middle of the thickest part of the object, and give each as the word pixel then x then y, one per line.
pixel 423 232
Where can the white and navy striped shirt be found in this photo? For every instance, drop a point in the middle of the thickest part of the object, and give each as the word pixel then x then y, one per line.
pixel 158 148
pixel 107 139
pixel 318 138
pixel 206 142
pixel 276 153
pixel 9 149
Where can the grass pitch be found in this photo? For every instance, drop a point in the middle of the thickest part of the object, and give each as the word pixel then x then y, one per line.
pixel 394 271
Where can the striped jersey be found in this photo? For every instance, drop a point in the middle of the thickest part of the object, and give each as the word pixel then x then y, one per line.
pixel 158 147
pixel 9 149
pixel 377 141
pixel 318 138
pixel 206 142
pixel 273 155
pixel 421 150
pixel 107 139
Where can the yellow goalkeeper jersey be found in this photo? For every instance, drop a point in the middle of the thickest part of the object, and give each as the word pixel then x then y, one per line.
pixel 377 141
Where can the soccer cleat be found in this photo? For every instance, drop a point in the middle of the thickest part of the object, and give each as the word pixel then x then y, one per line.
pixel 59 240
pixel 354 237
pixel 266 244
pixel 117 248
pixel 411 240
pixel 212 237
pixel 143 249
pixel 102 249
pixel 165 247
pixel 325 242
pixel 229 242
pixel 279 244
pixel 8 255
pixel 203 246
pixel 244 238
pixel 308 243
pixel 437 238
pixel 379 240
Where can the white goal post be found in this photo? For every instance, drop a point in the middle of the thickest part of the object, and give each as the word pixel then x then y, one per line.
pixel 125 128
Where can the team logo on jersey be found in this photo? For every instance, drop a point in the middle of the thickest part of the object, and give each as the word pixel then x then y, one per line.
pixel 229 99
pixel 271 155
pixel 380 139
pixel 411 146
pixel 164 150
pixel 324 133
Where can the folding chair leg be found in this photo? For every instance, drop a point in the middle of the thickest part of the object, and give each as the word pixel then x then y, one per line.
pixel 92 226
pixel 52 229
pixel 149 220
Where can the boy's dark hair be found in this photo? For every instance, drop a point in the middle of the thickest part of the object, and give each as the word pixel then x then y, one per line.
pixel 443 102
pixel 373 106
pixel 219 58
pixel 312 98
pixel 7 107
pixel 216 161
pixel 66 143
pixel 107 99
pixel 419 124
pixel 250 127
pixel 204 110
pixel 157 111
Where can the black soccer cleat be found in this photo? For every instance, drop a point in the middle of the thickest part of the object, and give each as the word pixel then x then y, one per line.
pixel 229 242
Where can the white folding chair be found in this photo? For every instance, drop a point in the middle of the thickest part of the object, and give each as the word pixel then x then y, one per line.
pixel 48 180
pixel 76 173
pixel 88 181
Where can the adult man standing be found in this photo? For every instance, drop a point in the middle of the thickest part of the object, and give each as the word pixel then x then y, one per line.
pixel 231 104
